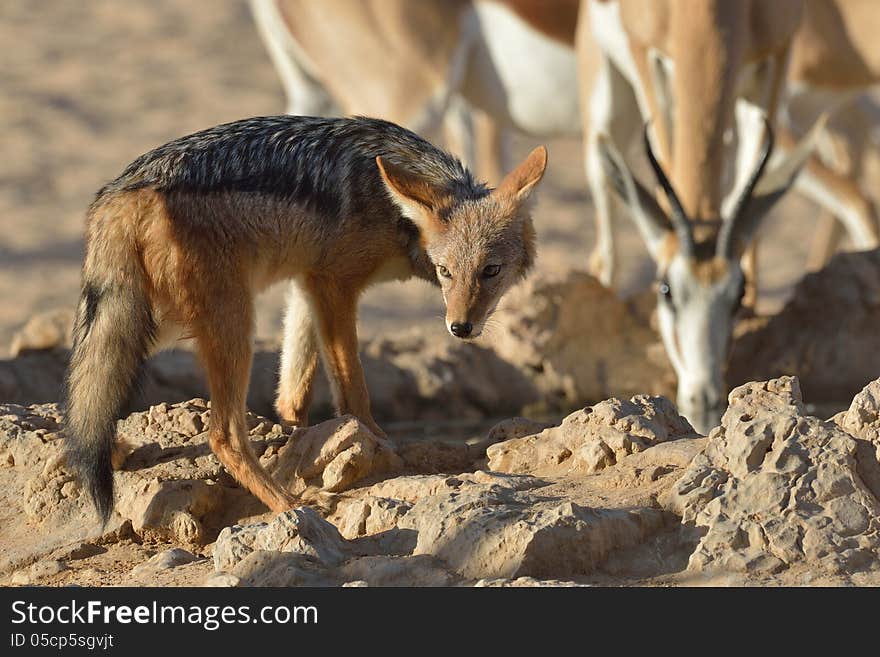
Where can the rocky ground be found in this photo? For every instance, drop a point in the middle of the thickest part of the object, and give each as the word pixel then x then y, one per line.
pixel 622 493
pixel 619 492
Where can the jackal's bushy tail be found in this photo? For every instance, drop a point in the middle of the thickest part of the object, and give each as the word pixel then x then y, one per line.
pixel 112 335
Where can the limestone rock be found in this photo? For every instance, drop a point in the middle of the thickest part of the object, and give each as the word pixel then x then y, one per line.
pixel 497 532
pixel 418 374
pixel 222 580
pixel 301 531
pixel 592 438
pixel 413 488
pixel 776 487
pixel 332 456
pixel 45 330
pixel 371 515
pixel 165 560
pixel 515 427
pixel 826 334
pixel 270 568
pixel 382 570
pixel 29 435
pixel 578 342
pixel 862 418
pixel 525 582
pixel 170 486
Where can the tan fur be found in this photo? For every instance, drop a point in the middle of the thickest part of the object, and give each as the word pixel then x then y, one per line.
pixel 205 282
pixel 710 42
pixel 836 51
pixel 667 251
pixel 554 18
pixel 396 55
pixel 711 270
pixel 211 292
pixel 498 231
pixel 528 174
pixel 836 46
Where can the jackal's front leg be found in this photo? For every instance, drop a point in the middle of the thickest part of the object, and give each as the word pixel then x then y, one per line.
pixel 336 311
pixel 299 359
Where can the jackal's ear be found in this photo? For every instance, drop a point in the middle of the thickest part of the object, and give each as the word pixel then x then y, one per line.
pixel 519 183
pixel 417 199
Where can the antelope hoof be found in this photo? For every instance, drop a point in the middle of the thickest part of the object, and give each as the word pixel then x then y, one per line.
pixel 600 267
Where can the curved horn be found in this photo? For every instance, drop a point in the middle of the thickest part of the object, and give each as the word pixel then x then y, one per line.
pixel 678 217
pixel 729 228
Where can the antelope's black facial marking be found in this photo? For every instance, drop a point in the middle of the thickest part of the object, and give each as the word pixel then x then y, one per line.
pixel 741 292
pixel 490 271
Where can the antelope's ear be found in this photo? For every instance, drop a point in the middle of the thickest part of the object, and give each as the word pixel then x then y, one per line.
pixel 652 222
pixel 778 180
pixel 772 187
pixel 417 199
pixel 519 183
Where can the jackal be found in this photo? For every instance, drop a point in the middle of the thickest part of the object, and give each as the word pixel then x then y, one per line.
pixel 181 242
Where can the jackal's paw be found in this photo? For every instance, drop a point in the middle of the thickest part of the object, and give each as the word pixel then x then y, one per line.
pixel 284 501
pixel 120 453
pixel 294 424
pixel 288 417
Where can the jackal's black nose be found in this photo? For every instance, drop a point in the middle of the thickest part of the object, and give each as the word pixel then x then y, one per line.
pixel 461 330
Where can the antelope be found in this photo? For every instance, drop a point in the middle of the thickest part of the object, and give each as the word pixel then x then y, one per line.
pixel 427 64
pixel 697 69
pixel 834 60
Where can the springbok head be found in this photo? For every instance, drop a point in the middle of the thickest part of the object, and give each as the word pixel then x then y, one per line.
pixel 700 282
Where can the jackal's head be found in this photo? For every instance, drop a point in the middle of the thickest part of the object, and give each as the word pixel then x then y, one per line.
pixel 480 244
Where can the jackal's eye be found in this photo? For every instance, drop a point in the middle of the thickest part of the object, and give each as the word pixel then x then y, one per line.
pixel 445 273
pixel 491 270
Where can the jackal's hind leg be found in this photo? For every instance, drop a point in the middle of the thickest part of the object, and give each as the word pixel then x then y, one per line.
pixel 299 359
pixel 224 341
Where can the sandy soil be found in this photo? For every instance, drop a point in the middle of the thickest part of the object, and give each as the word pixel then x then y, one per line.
pixel 89 85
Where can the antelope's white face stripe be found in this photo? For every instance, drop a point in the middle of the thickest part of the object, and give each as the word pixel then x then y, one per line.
pixel 696 324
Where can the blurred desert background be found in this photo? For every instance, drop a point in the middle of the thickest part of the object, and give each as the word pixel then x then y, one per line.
pixel 88 86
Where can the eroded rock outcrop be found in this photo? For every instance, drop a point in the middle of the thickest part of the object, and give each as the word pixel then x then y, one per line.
pixel 580 343
pixel 170 485
pixel 776 487
pixel 592 438
pixel 300 548
pixel 826 335
pixel 446 529
pixel 773 495
pixel 497 532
